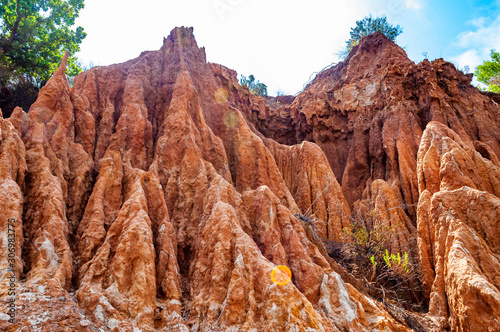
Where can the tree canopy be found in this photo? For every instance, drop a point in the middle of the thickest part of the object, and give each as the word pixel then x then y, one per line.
pixel 489 72
pixel 34 35
pixel 367 26
pixel 255 86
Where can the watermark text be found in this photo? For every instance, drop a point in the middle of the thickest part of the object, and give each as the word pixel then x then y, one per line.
pixel 222 7
pixel 11 269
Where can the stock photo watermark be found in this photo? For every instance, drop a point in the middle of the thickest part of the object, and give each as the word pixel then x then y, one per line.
pixel 394 8
pixel 222 7
pixel 11 270
pixel 391 9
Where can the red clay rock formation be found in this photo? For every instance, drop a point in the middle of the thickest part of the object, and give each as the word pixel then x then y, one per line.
pixel 368 113
pixel 151 203
pixel 458 224
pixel 12 174
pixel 158 194
pixel 388 216
pixel 306 172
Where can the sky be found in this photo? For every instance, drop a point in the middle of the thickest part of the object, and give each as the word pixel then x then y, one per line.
pixel 284 43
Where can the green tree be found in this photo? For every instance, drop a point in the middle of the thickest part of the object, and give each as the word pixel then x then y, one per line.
pixel 34 34
pixel 255 86
pixel 367 26
pixel 489 72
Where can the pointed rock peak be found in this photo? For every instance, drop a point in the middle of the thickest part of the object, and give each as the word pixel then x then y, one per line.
pixel 182 40
pixel 61 70
pixel 370 58
pixel 377 44
pixel 182 33
pixel 50 95
pixel 181 37
pixel 377 38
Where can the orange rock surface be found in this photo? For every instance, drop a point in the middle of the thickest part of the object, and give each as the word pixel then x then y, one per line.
pixel 158 195
pixel 458 225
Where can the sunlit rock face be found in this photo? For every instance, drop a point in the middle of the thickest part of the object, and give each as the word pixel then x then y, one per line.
pixel 458 228
pixel 368 114
pixel 159 195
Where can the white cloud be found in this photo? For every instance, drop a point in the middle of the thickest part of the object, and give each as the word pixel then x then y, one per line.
pixel 478 22
pixel 413 4
pixel 476 44
pixel 486 35
pixel 469 58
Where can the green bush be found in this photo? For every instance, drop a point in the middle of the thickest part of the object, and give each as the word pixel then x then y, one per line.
pixel 367 26
pixel 35 34
pixel 395 263
pixel 253 85
pixel 365 252
pixel 489 72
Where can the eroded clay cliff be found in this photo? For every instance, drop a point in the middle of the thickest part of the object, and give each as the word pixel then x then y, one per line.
pixel 158 195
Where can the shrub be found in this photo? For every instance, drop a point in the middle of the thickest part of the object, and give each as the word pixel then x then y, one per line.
pixel 395 263
pixel 367 26
pixel 489 72
pixel 255 86
pixel 390 276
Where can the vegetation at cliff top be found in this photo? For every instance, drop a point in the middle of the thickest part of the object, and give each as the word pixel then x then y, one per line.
pixel 367 26
pixel 489 72
pixel 255 86
pixel 34 36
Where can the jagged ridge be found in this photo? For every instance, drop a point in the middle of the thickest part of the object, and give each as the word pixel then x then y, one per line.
pixel 155 196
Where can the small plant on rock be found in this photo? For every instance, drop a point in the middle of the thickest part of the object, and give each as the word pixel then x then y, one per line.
pixel 256 87
pixel 396 263
pixel 366 253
